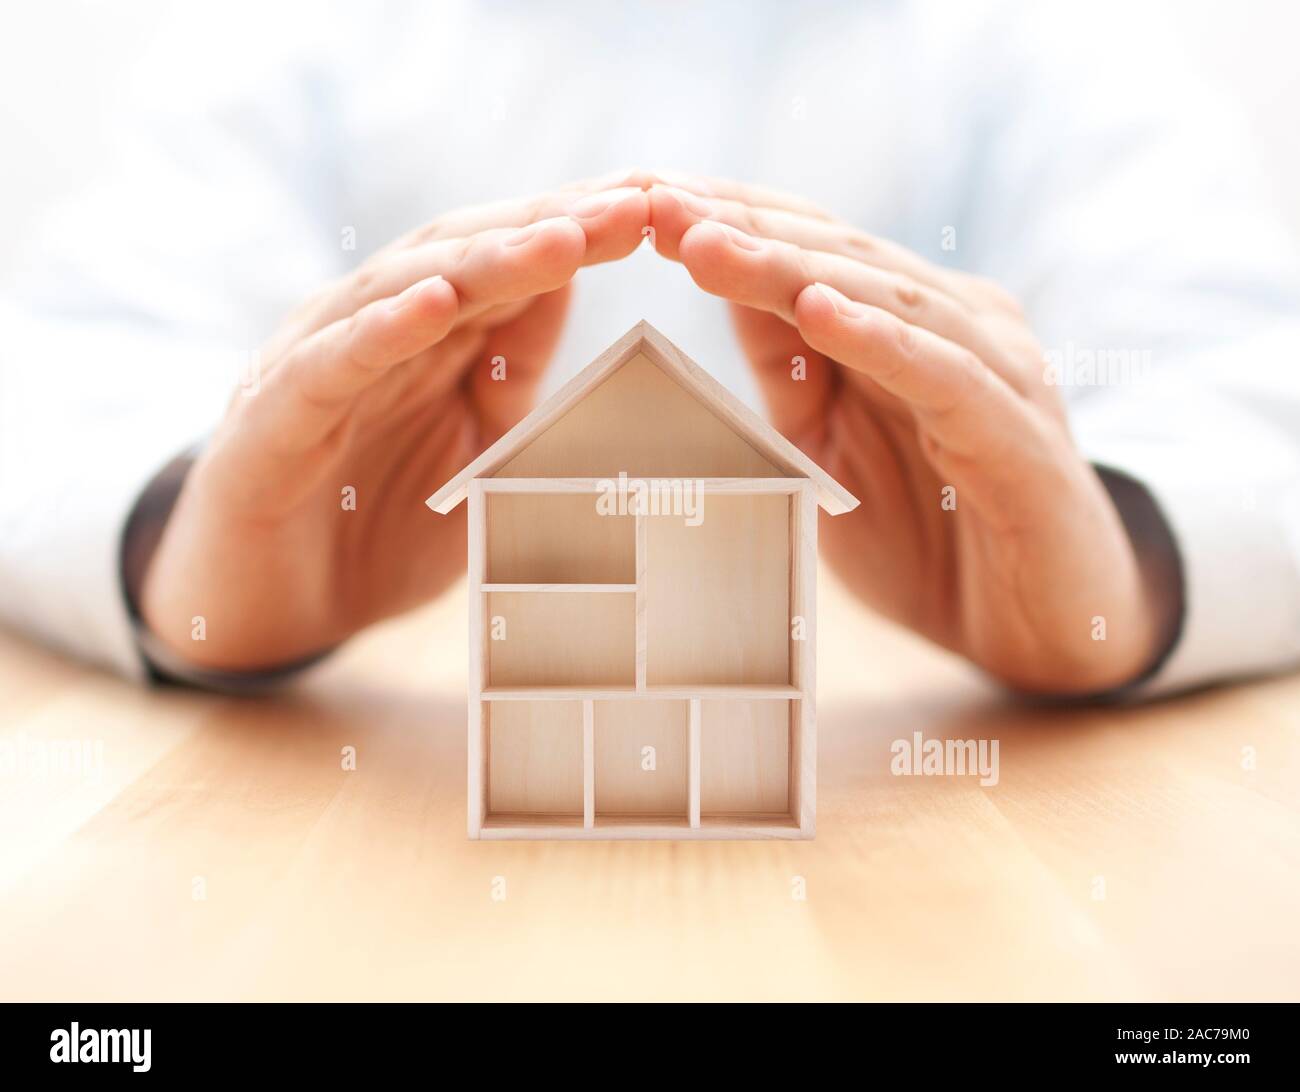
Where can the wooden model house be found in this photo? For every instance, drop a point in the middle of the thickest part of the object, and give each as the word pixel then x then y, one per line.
pixel 642 590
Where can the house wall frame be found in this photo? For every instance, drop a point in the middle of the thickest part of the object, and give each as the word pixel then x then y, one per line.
pixel 648 632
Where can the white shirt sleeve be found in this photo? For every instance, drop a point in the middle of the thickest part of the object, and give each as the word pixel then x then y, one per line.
pixel 1076 163
pixel 1222 464
pixel 139 310
pixel 1110 191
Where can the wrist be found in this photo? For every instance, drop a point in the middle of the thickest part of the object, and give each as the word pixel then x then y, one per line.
pixel 173 637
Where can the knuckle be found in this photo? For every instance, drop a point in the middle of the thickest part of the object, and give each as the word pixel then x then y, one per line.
pixel 356 334
pixel 971 366
pixel 972 378
pixel 903 336
pixel 908 294
pixel 886 340
pixel 434 229
pixel 861 246
pixel 968 384
pixel 749 219
pixel 458 250
pixel 299 384
pixel 365 278
pixel 798 258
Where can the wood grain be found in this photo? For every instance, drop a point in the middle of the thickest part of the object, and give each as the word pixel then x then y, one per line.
pixel 803 660
pixel 555 539
pixel 1127 852
pixel 624 784
pixel 718 594
pixel 537 758
pixel 744 757
pixel 588 764
pixel 742 691
pixel 640 423
pixel 477 750
pixel 561 639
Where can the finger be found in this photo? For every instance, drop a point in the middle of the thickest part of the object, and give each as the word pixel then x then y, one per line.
pixel 769 274
pixel 624 176
pixel 962 408
pixel 673 212
pixel 426 378
pixel 750 194
pixel 310 393
pixel 615 216
pixel 507 358
pixel 487 270
pixel 497 314
pixel 503 384
pixel 610 222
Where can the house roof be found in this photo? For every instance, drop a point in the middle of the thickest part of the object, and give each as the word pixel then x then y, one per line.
pixel 644 339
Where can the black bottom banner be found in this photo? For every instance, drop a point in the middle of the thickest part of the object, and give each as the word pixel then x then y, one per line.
pixel 365 1042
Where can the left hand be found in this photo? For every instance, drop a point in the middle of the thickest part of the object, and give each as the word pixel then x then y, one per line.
pixel 303 520
pixel 918 379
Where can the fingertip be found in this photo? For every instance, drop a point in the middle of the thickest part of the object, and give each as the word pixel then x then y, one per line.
pixel 673 212
pixel 420 315
pixel 613 222
pixel 702 242
pixel 563 241
pixel 551 248
pixel 826 305
pixel 822 316
pixel 813 305
pixel 438 292
pixel 426 301
pixel 719 263
pixel 595 206
pixel 550 233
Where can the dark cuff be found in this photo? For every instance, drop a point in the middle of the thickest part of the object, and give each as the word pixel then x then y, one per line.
pixel 143 532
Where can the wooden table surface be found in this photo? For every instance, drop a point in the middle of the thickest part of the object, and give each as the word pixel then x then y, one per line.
pixel 173 845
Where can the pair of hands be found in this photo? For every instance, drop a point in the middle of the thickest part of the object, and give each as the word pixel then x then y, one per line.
pixel 980 525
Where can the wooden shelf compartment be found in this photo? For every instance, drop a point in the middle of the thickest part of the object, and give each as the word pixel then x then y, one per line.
pixel 639 760
pixel 745 752
pixel 590 589
pixel 610 643
pixel 640 828
pixel 716 596
pixel 540 539
pixel 723 768
pixel 565 639
pixel 740 692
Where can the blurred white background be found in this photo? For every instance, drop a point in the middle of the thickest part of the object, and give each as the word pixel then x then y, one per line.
pixel 65 67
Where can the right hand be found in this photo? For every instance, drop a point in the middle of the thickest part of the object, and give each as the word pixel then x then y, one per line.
pixel 381 383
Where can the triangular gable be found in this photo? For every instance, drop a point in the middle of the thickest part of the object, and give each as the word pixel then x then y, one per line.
pixel 642 422
pixel 753 448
